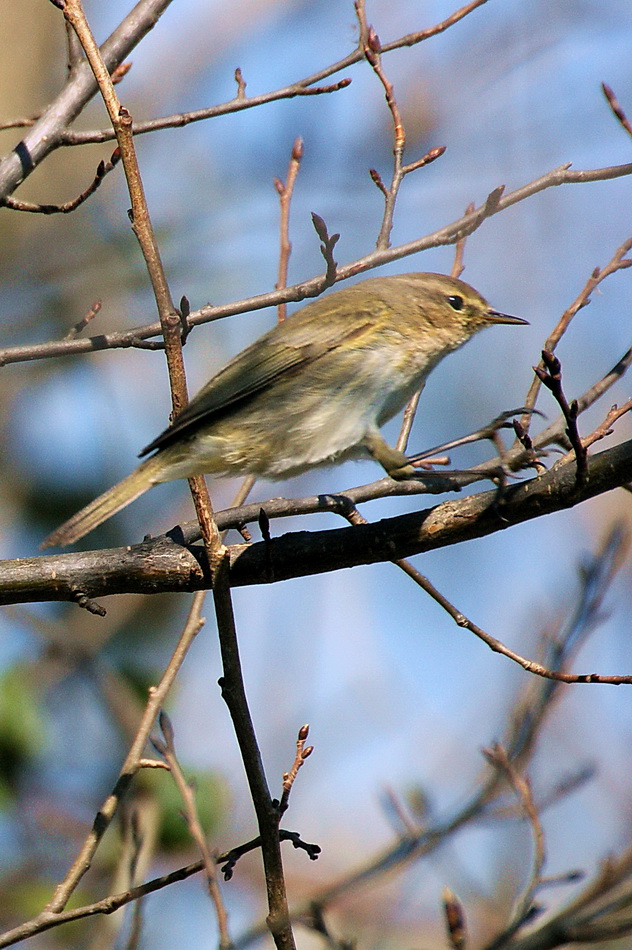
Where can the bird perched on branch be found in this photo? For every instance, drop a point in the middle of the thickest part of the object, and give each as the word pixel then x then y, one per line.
pixel 312 391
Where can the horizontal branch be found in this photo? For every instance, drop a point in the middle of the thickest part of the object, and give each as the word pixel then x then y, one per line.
pixel 164 564
pixel 450 234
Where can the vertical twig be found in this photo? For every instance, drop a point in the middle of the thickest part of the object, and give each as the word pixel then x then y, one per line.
pixel 168 750
pixel 122 124
pixel 370 44
pixel 121 121
pixel 302 753
pixel 408 419
pixel 617 110
pixel 74 51
pixel 170 321
pixel 459 248
pixel 285 190
pixel 497 756
pixel 267 812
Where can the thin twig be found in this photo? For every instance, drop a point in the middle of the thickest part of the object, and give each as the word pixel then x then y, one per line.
pixel 370 44
pixel 21 123
pixel 605 428
pixel 506 420
pixel 554 434
pixel 408 418
pixel 178 120
pixel 413 38
pixel 618 261
pixel 596 577
pixel 132 763
pixel 459 249
pixel 167 749
pixel 137 859
pixel 524 909
pixel 285 191
pixel 107 905
pixel 241 85
pixel 234 695
pixel 596 580
pixel 371 47
pixel 613 102
pixel 550 375
pixel 229 859
pixel 170 321
pixel 74 50
pixel 103 169
pixel 398 814
pixel 531 666
pixel 302 753
pixel 80 326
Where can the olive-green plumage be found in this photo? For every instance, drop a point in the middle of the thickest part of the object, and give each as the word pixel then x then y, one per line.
pixel 312 391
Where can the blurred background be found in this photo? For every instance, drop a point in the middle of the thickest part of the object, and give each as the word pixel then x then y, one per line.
pixel 397 696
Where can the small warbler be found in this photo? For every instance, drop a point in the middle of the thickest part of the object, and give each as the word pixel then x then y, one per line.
pixel 312 391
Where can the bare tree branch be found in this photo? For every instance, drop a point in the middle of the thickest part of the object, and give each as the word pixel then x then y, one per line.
pixel 103 168
pixel 164 565
pixel 81 86
pixel 450 234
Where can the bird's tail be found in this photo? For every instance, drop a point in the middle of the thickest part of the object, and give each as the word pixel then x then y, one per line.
pixel 107 504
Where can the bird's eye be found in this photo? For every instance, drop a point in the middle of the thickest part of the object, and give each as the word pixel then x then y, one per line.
pixel 456 302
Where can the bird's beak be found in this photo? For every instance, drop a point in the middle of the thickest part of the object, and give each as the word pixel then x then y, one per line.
pixel 497 317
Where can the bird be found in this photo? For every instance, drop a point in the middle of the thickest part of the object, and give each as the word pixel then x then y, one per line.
pixel 312 391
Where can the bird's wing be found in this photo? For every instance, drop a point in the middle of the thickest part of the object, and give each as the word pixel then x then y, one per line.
pixel 277 354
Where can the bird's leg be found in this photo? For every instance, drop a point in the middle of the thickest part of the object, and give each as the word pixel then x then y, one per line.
pixel 394 462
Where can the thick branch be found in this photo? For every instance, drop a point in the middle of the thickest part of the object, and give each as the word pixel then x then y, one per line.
pixel 165 565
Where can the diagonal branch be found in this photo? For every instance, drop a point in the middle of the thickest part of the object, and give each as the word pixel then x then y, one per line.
pixel 51 129
pixel 449 234
pixel 81 86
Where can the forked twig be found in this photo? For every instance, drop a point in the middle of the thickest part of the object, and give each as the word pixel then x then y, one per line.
pixel 326 248
pixel 302 753
pixel 550 375
pixel 370 46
